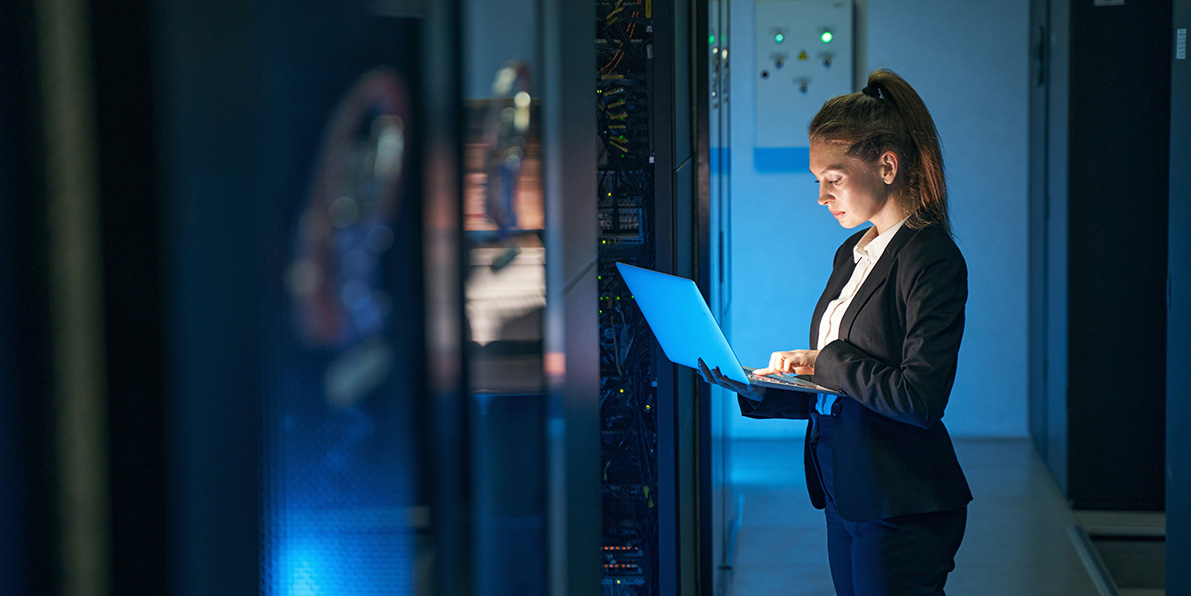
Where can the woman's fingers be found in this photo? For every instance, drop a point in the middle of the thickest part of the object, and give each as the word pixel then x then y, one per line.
pixel 799 362
pixel 715 377
pixel 727 383
pixel 783 361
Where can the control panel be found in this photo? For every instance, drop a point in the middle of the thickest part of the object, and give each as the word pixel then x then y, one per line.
pixel 804 58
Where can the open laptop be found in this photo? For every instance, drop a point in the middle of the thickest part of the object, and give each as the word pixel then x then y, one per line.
pixel 686 330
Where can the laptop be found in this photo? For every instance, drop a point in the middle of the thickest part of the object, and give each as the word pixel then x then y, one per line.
pixel 686 330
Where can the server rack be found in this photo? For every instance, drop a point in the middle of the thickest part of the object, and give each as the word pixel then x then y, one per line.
pixel 1086 268
pixel 651 415
pixel 627 216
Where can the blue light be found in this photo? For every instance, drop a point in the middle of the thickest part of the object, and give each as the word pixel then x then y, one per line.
pixel 338 493
pixel 329 561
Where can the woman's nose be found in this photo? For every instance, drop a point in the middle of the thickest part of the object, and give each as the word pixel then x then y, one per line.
pixel 823 195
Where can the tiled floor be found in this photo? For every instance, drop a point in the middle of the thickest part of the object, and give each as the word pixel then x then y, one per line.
pixel 1017 540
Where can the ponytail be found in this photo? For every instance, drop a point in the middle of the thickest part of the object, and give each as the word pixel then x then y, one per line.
pixel 888 115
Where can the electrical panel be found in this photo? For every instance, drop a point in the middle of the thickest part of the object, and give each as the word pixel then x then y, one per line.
pixel 628 376
pixel 804 58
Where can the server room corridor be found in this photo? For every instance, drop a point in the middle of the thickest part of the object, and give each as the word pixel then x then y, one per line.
pixel 302 298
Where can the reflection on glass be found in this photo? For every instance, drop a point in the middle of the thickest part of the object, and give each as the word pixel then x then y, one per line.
pixel 339 509
pixel 505 291
pixel 503 220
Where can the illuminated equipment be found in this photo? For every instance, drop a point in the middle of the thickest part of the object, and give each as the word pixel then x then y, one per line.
pixel 628 376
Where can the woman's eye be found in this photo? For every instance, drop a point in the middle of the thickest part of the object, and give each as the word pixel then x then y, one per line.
pixel 836 181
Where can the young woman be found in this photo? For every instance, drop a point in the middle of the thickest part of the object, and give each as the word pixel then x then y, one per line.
pixel 886 332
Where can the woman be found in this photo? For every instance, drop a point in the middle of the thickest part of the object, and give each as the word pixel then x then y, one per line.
pixel 886 332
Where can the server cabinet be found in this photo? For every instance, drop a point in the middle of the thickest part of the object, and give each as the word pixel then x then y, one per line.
pixel 1099 280
pixel 1178 338
pixel 653 417
pixel 262 215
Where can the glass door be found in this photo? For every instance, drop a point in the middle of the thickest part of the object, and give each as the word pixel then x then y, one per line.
pixel 504 289
pixel 725 514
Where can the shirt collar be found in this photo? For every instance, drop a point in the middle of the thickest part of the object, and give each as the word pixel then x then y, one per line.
pixel 872 244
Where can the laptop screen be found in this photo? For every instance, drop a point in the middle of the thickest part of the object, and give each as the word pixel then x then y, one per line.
pixel 681 320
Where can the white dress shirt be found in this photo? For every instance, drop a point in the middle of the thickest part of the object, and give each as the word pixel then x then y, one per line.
pixel 866 253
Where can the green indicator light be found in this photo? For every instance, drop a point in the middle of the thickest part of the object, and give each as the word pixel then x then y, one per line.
pixel 827 37
pixel 779 38
pixel 711 39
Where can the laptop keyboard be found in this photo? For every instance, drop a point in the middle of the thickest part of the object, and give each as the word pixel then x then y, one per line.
pixel 773 379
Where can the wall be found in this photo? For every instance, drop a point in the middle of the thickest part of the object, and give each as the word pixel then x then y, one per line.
pixel 971 67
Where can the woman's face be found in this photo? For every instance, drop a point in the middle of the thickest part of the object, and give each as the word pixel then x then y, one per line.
pixel 853 190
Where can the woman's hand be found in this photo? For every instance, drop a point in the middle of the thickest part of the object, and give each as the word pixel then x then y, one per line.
pixel 715 377
pixel 799 362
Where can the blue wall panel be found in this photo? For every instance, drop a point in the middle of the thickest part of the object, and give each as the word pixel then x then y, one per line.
pixel 972 71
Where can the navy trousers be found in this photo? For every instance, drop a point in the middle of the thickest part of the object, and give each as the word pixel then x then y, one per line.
pixel 909 555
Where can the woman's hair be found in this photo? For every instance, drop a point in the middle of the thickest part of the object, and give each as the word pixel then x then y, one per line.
pixel 888 115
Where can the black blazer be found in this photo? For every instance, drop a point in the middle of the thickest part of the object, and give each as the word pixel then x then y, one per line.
pixel 896 359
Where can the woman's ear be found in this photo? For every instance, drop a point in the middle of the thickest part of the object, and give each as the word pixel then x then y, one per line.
pixel 887 166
